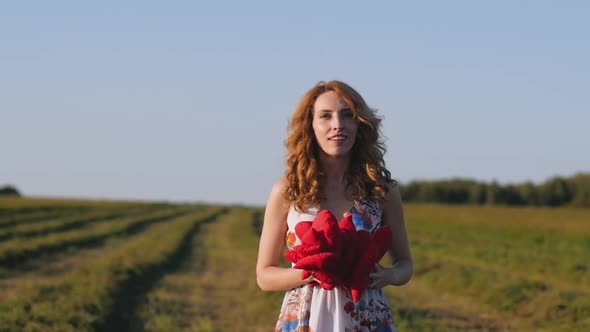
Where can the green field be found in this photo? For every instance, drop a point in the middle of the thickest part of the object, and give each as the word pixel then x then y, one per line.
pixel 75 265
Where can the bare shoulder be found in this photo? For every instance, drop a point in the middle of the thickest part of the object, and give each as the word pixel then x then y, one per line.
pixel 393 193
pixel 392 205
pixel 277 201
pixel 280 185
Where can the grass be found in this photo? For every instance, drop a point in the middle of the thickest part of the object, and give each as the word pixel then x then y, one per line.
pixel 46 226
pixel 476 269
pixel 90 297
pixel 216 289
pixel 515 263
pixel 14 252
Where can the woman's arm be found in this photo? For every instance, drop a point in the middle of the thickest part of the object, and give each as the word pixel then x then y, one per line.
pixel 269 276
pixel 401 258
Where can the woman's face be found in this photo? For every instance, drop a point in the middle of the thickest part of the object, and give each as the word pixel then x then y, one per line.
pixel 333 124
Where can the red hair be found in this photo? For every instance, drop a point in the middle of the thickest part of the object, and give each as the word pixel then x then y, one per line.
pixel 366 176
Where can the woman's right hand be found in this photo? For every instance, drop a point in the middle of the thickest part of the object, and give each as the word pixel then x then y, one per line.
pixel 311 278
pixel 269 275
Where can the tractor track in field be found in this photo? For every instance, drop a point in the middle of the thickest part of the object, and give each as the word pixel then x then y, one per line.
pixel 14 260
pixel 130 295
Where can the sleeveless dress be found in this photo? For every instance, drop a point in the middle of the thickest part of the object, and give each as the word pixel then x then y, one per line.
pixel 314 309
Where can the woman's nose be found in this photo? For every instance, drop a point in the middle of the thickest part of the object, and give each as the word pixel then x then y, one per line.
pixel 337 122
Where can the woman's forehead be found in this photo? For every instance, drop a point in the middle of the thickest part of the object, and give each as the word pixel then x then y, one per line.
pixel 330 101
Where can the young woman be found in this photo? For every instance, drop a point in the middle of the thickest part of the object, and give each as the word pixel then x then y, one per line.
pixel 335 163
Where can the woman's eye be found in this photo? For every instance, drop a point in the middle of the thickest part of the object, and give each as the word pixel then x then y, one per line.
pixel 348 115
pixel 325 116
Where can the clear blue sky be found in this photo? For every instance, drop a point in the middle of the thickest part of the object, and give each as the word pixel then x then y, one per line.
pixel 189 101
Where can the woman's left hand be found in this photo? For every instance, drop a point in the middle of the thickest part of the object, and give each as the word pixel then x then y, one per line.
pixel 381 277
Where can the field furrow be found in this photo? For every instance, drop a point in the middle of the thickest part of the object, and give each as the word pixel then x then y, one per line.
pixel 418 307
pixel 89 298
pixel 502 290
pixel 215 289
pixel 25 218
pixel 62 224
pixel 12 220
pixel 49 268
pixel 15 252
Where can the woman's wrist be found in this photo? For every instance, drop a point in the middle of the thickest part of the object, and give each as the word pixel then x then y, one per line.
pixel 400 273
pixel 391 275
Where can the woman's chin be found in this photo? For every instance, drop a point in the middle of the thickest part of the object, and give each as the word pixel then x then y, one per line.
pixel 337 154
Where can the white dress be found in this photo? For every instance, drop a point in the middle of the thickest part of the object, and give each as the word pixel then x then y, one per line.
pixel 314 309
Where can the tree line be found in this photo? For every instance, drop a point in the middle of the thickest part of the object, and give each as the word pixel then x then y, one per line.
pixel 556 191
pixel 9 190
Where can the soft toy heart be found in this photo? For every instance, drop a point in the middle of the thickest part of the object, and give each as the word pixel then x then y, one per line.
pixel 336 253
pixel 373 248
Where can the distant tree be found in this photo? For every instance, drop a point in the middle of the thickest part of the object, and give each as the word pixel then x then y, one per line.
pixel 456 191
pixel 529 193
pixel 492 193
pixel 9 190
pixel 429 192
pixel 410 191
pixel 556 191
pixel 511 195
pixel 580 184
pixel 477 193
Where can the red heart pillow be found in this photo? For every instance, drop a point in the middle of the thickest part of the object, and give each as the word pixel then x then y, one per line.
pixel 336 253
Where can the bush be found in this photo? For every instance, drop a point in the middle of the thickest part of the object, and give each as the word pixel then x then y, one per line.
pixel 9 191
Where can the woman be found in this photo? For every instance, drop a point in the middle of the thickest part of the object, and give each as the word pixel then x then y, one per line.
pixel 335 163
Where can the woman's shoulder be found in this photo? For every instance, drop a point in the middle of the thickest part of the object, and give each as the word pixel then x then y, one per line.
pixel 393 199
pixel 391 183
pixel 280 184
pixel 392 190
pixel 393 194
pixel 277 199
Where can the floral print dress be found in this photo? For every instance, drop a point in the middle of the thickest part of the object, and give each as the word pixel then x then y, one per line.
pixel 314 309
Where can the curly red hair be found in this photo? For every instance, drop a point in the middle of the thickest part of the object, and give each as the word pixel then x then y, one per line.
pixel 367 176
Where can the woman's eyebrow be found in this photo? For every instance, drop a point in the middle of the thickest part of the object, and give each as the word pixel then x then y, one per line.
pixel 345 109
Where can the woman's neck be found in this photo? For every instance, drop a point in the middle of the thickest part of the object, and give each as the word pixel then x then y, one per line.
pixel 334 168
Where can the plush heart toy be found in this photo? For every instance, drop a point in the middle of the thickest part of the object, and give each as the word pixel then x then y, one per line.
pixel 336 253
pixel 319 251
